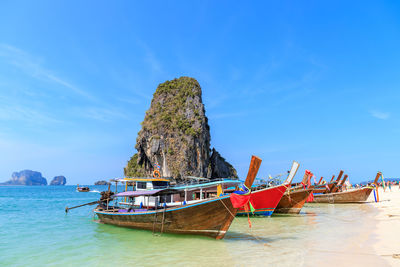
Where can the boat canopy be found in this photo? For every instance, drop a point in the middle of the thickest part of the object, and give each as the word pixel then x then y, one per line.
pixel 141 179
pixel 156 192
pixel 209 184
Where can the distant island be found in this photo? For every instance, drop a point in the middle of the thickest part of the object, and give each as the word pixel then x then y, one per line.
pixel 101 182
pixel 29 177
pixel 58 180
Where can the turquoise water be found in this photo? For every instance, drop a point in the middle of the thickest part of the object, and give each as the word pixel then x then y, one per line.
pixel 35 231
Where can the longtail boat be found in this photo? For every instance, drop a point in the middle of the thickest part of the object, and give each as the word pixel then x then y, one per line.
pixel 82 189
pixel 209 217
pixel 357 195
pixel 265 200
pixel 327 188
pixel 294 198
pixel 186 192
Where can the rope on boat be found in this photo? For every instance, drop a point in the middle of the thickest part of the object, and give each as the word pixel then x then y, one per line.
pixel 162 222
pixel 226 207
pixel 255 237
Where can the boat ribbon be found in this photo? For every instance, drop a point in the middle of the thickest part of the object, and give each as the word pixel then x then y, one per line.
pixel 241 198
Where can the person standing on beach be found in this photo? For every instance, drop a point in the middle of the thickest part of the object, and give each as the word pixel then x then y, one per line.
pixel 390 186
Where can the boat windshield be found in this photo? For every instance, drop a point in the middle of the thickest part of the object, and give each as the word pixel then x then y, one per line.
pixel 160 184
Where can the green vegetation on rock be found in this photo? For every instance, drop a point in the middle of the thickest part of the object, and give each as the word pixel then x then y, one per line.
pixel 133 169
pixel 167 110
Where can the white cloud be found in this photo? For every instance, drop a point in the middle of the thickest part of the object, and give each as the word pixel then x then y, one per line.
pixel 380 115
pixel 102 114
pixel 151 59
pixel 25 114
pixel 32 66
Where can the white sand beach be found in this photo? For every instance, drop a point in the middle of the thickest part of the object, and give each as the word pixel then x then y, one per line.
pixel 371 237
pixel 387 231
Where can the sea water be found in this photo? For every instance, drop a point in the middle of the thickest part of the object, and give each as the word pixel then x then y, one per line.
pixel 36 231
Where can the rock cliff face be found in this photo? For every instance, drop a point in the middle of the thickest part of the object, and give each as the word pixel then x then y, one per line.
pixel 58 180
pixel 26 177
pixel 175 136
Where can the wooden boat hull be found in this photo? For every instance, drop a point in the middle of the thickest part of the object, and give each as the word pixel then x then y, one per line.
pixel 83 189
pixel 323 188
pixel 210 217
pixel 265 200
pixel 350 196
pixel 293 201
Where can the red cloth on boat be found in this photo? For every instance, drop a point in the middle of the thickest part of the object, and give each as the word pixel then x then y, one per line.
pixel 310 197
pixel 239 200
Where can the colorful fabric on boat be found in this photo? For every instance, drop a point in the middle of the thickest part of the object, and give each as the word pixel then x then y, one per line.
pixel 252 209
pixel 239 200
pixel 310 197
pixel 219 190
pixel 244 191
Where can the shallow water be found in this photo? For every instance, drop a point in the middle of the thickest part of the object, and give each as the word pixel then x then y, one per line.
pixel 35 231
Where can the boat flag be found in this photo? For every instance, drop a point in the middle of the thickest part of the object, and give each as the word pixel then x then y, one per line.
pixel 219 190
pixel 241 198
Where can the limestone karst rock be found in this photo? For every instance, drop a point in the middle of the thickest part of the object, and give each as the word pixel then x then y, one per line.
pixel 175 136
pixel 26 177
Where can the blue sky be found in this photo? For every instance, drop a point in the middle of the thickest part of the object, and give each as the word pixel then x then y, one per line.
pixel 312 81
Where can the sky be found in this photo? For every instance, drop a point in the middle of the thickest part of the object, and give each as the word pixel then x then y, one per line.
pixel 313 81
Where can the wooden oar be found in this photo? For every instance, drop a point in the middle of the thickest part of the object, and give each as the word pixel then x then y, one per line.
pixel 333 177
pixel 253 170
pixel 90 203
pixel 320 180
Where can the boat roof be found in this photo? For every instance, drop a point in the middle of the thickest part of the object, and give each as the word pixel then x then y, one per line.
pixel 142 179
pixel 209 184
pixel 155 192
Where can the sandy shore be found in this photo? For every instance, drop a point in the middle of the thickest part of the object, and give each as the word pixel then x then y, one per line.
pixel 387 231
pixel 374 238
